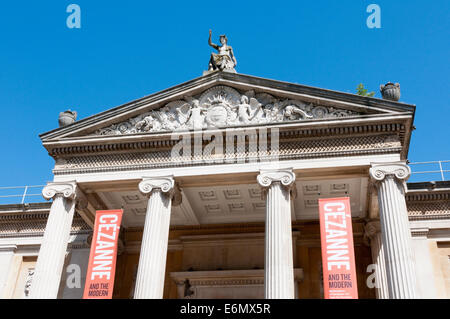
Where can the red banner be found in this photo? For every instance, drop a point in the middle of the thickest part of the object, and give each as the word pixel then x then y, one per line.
pixel 102 259
pixel 338 257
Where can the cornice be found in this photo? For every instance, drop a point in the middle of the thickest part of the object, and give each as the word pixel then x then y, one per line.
pixel 138 105
pixel 24 208
pixel 429 217
pixel 32 224
pixel 24 216
pixel 319 92
pixel 428 196
pixel 153 142
pixel 281 158
pixel 427 187
pixel 428 204
pixel 134 105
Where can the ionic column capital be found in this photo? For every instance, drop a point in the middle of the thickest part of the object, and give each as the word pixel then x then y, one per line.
pixel 165 184
pixel 399 170
pixel 65 189
pixel 68 190
pixel 284 176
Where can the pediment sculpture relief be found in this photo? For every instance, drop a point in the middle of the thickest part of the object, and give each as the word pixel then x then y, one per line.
pixel 223 106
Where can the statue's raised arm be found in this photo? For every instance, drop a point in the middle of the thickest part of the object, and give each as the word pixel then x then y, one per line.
pixel 215 46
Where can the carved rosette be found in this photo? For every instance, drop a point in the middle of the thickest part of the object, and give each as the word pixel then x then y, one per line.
pixel 285 177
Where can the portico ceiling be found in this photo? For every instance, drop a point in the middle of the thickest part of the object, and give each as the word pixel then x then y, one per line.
pixel 240 203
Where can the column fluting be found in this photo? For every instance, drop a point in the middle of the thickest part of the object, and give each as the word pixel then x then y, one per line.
pixel 152 260
pixel 279 270
pixel 373 232
pixel 50 262
pixel 396 235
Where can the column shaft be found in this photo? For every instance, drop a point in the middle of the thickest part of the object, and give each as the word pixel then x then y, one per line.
pixel 279 274
pixel 377 248
pixel 278 265
pixel 53 249
pixel 395 231
pixel 152 260
pixel 396 239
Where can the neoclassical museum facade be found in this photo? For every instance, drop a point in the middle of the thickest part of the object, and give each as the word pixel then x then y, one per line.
pixel 219 179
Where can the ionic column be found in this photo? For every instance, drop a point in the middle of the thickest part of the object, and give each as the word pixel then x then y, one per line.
pixel 396 235
pixel 278 266
pixel 373 232
pixel 50 262
pixel 152 260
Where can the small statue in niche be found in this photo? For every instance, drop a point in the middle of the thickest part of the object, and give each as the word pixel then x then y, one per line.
pixel 224 60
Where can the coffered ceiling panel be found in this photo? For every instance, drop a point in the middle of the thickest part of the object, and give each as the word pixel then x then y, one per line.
pixel 240 203
pixel 309 192
pixel 134 205
pixel 227 204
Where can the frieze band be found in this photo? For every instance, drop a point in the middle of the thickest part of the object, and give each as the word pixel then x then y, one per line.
pixel 223 106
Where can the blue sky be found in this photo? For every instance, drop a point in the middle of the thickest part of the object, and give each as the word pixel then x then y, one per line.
pixel 126 50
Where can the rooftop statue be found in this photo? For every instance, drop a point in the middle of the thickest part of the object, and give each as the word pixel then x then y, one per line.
pixel 224 60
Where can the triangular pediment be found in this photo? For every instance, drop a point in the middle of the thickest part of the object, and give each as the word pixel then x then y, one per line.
pixel 222 100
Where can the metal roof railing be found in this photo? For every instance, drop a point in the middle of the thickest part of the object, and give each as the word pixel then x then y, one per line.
pixel 20 193
pixel 430 170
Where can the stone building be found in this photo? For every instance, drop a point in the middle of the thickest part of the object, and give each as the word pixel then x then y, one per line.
pixel 206 171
